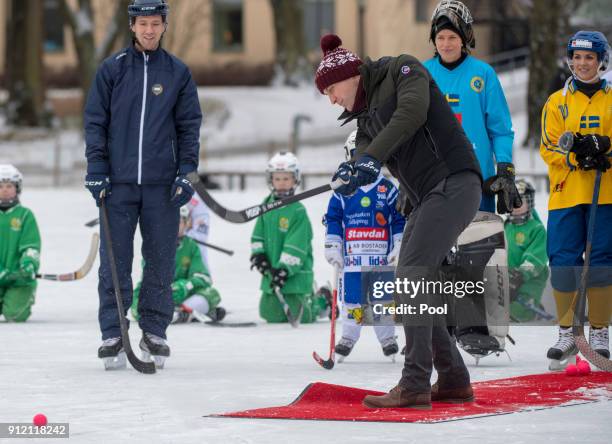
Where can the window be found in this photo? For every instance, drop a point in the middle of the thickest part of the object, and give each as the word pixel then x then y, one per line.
pixel 227 25
pixel 54 26
pixel 318 21
pixel 422 12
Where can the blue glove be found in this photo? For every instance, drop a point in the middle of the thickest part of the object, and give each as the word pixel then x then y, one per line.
pixel 344 172
pixel 367 170
pixel 98 185
pixel 181 191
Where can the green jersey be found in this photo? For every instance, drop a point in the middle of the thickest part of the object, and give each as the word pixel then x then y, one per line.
pixel 190 274
pixel 190 277
pixel 527 247
pixel 19 239
pixel 190 266
pixel 285 236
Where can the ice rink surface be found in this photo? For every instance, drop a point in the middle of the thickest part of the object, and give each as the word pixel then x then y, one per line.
pixel 49 364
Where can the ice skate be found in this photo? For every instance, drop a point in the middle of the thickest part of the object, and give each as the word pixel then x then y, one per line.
pixel 564 351
pixel 390 348
pixel 599 341
pixel 344 348
pixel 480 345
pixel 112 354
pixel 154 349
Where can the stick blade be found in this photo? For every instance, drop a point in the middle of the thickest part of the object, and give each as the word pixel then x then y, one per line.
pixel 148 368
pixel 326 364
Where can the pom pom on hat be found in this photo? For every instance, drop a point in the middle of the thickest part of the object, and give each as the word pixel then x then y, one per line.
pixel 329 42
pixel 338 63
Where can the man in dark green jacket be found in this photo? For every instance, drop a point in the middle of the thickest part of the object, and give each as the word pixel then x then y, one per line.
pixel 405 123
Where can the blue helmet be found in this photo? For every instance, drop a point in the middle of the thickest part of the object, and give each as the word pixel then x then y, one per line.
pixel 590 41
pixel 148 7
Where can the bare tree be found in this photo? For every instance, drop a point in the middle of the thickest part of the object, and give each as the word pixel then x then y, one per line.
pixel 81 22
pixel 549 28
pixel 289 37
pixel 24 69
pixel 188 19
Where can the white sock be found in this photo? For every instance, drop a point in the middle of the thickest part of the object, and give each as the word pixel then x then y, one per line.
pixel 198 303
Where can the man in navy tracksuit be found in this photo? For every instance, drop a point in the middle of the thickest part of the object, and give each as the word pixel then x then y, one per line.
pixel 142 121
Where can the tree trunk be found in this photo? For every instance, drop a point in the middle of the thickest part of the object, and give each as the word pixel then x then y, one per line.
pixel 24 66
pixel 81 23
pixel 289 37
pixel 549 32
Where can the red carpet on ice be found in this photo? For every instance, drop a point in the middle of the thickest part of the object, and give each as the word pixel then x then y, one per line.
pixel 320 401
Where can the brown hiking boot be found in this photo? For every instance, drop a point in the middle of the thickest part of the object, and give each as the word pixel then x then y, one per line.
pixel 399 397
pixel 454 396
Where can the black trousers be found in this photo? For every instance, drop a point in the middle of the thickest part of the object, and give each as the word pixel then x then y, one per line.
pixel 431 231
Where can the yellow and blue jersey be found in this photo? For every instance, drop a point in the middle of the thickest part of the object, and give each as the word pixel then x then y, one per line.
pixel 571 110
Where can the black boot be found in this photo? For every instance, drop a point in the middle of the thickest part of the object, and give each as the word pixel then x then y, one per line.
pixel 110 348
pixel 216 314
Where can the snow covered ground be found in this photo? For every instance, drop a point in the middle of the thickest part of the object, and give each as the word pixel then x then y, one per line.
pixel 49 364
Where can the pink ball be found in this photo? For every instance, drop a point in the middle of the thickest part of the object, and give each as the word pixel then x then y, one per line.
pixel 571 370
pixel 39 420
pixel 583 368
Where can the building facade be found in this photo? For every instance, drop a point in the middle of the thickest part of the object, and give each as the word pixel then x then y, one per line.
pixel 232 41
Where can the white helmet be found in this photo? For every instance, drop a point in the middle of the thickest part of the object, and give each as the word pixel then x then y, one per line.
pixel 8 173
pixel 283 163
pixel 350 145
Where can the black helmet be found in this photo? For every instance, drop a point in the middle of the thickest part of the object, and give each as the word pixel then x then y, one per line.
pixel 148 7
pixel 456 14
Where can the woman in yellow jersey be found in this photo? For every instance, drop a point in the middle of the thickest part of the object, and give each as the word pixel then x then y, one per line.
pixel 584 108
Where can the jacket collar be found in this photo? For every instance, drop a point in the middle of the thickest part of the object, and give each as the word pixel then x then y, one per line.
pixel 153 55
pixel 372 74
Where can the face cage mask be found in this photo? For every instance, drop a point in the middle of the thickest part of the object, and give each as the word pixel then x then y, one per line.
pixel 520 219
pixel 457 8
pixel 464 30
pixel 6 204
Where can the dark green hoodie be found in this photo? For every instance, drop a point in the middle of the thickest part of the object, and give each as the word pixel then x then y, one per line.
pixel 409 126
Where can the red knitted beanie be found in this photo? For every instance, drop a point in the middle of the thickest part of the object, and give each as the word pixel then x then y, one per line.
pixel 337 64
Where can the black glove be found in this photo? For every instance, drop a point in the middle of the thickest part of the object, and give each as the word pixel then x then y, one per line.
pixel 344 172
pixel 367 169
pixel 502 184
pixel 261 262
pixel 98 185
pixel 600 163
pixel 516 280
pixel 279 277
pixel 403 204
pixel 590 145
pixel 181 191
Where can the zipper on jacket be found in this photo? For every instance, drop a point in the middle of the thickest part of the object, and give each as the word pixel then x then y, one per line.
pixel 431 142
pixel 173 152
pixel 142 116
